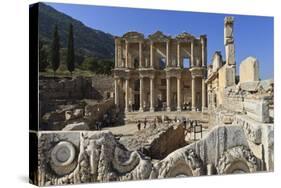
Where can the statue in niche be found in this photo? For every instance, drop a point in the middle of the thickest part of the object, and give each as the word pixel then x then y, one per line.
pixel 146 62
pixel 174 62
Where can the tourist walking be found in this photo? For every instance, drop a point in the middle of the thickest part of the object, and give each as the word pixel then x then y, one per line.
pixel 145 122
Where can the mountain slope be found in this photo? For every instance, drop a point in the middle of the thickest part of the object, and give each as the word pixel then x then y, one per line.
pixel 87 41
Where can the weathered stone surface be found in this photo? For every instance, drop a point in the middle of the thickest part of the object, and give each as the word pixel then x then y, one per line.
pixel 251 86
pixel 156 142
pixel 76 126
pixel 249 70
pixel 216 61
pixel 99 157
pixel 258 109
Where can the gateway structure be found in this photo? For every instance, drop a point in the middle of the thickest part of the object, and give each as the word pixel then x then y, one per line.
pixel 160 73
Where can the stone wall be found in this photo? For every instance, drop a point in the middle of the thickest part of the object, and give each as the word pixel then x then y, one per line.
pixel 75 88
pixel 103 84
pixel 252 98
pixel 95 87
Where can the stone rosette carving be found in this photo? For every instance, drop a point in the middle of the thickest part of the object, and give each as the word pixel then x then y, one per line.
pixel 237 160
pixel 181 162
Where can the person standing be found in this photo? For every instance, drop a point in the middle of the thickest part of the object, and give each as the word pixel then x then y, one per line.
pixel 145 122
pixel 139 125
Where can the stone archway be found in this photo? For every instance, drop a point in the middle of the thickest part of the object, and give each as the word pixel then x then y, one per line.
pixel 237 160
pixel 180 163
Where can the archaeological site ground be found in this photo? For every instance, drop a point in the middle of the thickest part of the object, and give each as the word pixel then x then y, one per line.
pixel 144 104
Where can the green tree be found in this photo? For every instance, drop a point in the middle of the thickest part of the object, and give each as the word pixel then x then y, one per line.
pixel 55 50
pixel 43 57
pixel 70 51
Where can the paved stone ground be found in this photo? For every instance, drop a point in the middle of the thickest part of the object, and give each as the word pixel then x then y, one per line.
pixel 127 129
pixel 131 129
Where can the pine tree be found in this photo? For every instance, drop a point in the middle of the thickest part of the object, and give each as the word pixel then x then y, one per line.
pixel 70 51
pixel 43 59
pixel 55 50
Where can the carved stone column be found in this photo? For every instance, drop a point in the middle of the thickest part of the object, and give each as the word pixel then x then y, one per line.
pixel 151 55
pixel 178 54
pixel 126 55
pixel 140 54
pixel 152 94
pixel 204 50
pixel 203 94
pixel 192 53
pixel 168 94
pixel 167 54
pixel 127 95
pixel 116 92
pixel 179 93
pixel 116 54
pixel 193 94
pixel 141 94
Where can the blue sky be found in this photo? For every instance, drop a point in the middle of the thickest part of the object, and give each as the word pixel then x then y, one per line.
pixel 253 34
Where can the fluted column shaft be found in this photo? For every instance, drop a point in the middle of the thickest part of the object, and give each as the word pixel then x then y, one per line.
pixel 203 94
pixel 151 55
pixel 127 95
pixel 140 54
pixel 178 54
pixel 167 54
pixel 178 93
pixel 126 56
pixel 193 94
pixel 192 53
pixel 141 94
pixel 116 90
pixel 151 94
pixel 168 94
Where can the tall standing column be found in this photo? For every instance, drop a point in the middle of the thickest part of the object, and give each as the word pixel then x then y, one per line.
pixel 204 50
pixel 151 54
pixel 168 97
pixel 140 54
pixel 141 94
pixel 151 94
pixel 127 95
pixel 178 54
pixel 116 54
pixel 179 93
pixel 167 54
pixel 203 94
pixel 193 94
pixel 126 55
pixel 192 53
pixel 116 90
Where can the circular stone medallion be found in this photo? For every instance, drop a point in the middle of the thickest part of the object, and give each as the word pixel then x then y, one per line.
pixel 63 154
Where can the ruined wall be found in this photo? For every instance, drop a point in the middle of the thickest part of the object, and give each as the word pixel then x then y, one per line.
pixel 252 98
pixel 76 88
pixel 249 70
pixel 95 87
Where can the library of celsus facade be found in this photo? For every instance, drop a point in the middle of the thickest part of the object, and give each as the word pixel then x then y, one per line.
pixel 160 72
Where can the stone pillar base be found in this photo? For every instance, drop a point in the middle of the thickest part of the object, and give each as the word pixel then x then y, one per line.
pixel 141 110
pixel 204 109
pixel 179 109
pixel 168 109
pixel 151 109
pixel 193 109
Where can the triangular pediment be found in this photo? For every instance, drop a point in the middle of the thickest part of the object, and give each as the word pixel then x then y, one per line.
pixel 133 35
pixel 185 35
pixel 158 35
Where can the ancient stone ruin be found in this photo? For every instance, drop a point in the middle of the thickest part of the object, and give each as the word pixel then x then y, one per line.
pixel 194 119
